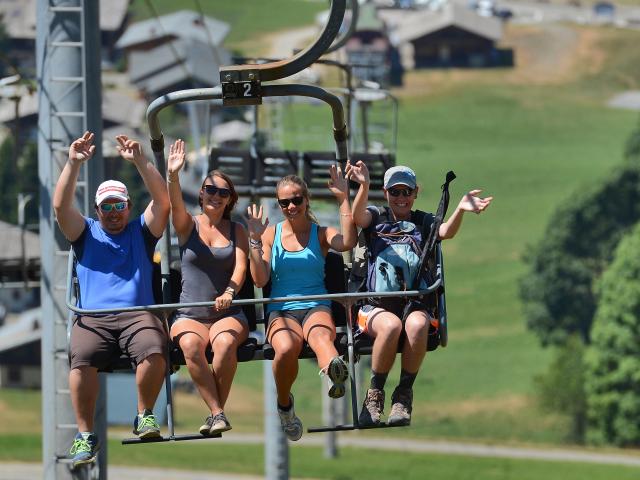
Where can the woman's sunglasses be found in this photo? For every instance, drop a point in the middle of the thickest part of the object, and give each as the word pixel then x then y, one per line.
pixel 396 192
pixel 284 202
pixel 118 206
pixel 212 190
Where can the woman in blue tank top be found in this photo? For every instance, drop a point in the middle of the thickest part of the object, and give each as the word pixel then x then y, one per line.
pixel 292 254
pixel 213 254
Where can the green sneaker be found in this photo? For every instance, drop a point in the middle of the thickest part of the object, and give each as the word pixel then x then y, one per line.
pixel 84 449
pixel 145 425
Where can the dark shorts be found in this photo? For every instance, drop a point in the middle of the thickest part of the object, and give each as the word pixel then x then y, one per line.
pixel 367 312
pixel 99 341
pixel 397 305
pixel 208 322
pixel 299 315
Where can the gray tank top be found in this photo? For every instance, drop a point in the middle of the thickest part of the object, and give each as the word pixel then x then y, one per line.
pixel 206 272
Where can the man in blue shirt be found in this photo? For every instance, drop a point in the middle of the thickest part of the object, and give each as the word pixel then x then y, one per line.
pixel 114 268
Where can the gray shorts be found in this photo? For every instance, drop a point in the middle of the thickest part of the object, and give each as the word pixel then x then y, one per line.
pixel 99 341
pixel 299 315
pixel 208 322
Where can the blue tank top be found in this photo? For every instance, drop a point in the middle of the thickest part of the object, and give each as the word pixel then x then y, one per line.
pixel 115 270
pixel 297 273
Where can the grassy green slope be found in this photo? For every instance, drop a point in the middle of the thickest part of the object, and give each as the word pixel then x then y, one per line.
pixel 308 462
pixel 250 18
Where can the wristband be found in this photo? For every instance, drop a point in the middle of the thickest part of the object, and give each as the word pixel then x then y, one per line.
pixel 257 244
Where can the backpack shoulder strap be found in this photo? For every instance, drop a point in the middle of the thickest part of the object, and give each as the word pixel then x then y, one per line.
pixel 438 218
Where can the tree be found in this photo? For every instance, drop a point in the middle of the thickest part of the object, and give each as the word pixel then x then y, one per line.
pixel 561 388
pixel 9 187
pixel 558 292
pixel 632 146
pixel 613 359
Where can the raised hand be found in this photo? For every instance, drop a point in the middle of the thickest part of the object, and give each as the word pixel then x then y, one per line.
pixel 175 162
pixel 254 222
pixel 130 150
pixel 82 149
pixel 471 202
pixel 338 183
pixel 358 173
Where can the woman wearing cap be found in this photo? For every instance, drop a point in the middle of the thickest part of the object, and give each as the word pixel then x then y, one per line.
pixel 213 252
pixel 292 254
pixel 382 318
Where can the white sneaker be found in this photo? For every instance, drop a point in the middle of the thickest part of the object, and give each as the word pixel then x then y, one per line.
pixel 291 424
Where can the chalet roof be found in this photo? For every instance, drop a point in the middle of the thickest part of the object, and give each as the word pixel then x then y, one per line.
pixel 172 63
pixel 11 245
pixel 421 23
pixel 20 16
pixel 180 24
pixel 117 107
pixel 26 329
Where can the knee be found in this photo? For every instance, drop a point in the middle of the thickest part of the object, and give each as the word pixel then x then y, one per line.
pixel 287 351
pixel 223 344
pixel 156 360
pixel 192 348
pixel 321 334
pixel 417 326
pixel 389 328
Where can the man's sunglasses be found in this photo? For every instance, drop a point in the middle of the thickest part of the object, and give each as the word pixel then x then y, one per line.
pixel 212 190
pixel 118 206
pixel 284 202
pixel 396 192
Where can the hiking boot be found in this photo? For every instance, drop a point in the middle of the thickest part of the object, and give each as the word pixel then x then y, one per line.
pixel 84 449
pixel 338 373
pixel 145 425
pixel 372 407
pixel 401 401
pixel 291 424
pixel 217 423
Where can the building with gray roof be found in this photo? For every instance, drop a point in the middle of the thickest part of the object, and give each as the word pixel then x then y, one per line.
pixel 452 36
pixel 179 50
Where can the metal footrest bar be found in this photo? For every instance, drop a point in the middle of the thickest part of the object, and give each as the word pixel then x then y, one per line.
pixel 174 438
pixel 339 428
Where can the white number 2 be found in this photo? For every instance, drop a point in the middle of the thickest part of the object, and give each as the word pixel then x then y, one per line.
pixel 247 89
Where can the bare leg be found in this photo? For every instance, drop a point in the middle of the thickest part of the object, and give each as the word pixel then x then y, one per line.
pixel 285 335
pixel 225 336
pixel 320 332
pixel 84 386
pixel 415 346
pixel 193 338
pixel 385 328
pixel 150 374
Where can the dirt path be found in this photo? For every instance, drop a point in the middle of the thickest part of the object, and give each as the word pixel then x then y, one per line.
pixel 29 471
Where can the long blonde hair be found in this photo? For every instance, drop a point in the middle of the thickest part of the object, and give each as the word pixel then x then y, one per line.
pixel 296 180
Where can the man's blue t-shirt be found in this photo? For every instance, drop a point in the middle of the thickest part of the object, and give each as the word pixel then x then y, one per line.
pixel 115 270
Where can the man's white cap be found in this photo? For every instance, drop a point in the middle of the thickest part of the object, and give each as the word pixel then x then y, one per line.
pixel 111 189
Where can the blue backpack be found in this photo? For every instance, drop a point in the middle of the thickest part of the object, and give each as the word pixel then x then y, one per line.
pixel 394 256
pixel 388 254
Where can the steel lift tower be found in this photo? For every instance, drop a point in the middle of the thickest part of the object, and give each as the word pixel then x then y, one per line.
pixel 69 95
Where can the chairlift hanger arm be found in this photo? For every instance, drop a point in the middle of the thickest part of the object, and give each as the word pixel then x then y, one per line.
pixel 285 68
pixel 157 140
pixel 239 80
pixel 352 28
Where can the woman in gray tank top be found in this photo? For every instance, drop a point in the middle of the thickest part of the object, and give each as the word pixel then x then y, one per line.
pixel 213 253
